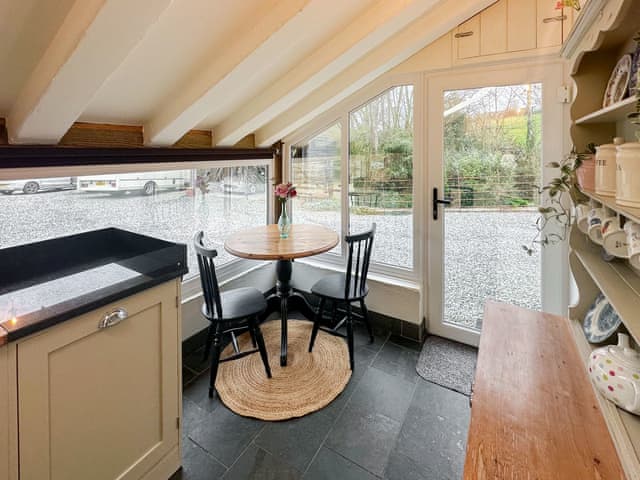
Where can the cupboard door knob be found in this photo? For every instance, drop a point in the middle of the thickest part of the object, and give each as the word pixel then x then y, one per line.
pixel 113 318
pixel 559 18
pixel 463 34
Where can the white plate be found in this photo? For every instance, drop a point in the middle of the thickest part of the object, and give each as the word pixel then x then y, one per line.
pixel 618 82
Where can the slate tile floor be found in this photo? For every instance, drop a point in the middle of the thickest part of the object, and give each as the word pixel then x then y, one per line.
pixel 388 423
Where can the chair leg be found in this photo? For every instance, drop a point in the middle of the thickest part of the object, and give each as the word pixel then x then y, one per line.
pixel 252 334
pixel 215 359
pixel 350 334
pixel 257 335
pixel 316 324
pixel 365 317
pixel 207 346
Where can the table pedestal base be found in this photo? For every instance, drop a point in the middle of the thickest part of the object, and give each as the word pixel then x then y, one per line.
pixel 285 299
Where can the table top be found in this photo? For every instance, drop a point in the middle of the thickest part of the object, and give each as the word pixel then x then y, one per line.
pixel 534 411
pixel 264 242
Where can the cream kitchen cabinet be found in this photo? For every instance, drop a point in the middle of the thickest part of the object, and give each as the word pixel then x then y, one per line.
pixel 99 395
pixel 8 420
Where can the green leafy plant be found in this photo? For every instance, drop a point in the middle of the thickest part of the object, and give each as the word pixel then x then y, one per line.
pixel 556 211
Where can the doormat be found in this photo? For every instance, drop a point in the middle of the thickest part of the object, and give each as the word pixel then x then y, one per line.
pixel 448 363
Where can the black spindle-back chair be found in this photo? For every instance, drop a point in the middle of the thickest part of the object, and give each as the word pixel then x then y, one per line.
pixel 228 312
pixel 346 289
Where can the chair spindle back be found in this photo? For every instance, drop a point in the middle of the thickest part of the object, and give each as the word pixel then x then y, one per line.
pixel 208 278
pixel 360 246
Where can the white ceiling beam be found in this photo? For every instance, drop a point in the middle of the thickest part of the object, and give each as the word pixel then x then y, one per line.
pixel 246 51
pixel 93 40
pixel 371 29
pixel 420 33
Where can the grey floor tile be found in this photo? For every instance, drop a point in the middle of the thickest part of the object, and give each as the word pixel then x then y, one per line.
pixel 195 362
pixel 361 337
pixel 295 441
pixel 198 392
pixel 364 356
pixel 406 343
pixel 257 464
pixel 403 468
pixel 187 376
pixel 225 435
pixel 334 409
pixel 197 464
pixel 398 361
pixel 365 438
pixel 328 465
pixel 192 416
pixel 382 393
pixel 435 430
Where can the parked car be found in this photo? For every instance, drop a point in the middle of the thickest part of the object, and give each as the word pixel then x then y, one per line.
pixel 145 182
pixel 35 185
pixel 245 180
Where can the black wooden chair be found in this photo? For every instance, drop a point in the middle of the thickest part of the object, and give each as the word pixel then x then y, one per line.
pixel 345 289
pixel 228 312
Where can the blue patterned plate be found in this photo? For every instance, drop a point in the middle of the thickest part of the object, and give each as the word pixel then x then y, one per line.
pixel 601 321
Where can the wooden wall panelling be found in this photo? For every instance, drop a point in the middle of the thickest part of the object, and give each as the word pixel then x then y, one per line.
pixel 493 29
pixel 195 139
pixel 83 134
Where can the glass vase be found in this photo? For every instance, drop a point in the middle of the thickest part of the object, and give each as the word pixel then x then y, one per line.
pixel 284 222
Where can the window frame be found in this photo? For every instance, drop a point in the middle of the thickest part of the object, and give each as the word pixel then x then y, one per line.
pixel 340 114
pixel 191 286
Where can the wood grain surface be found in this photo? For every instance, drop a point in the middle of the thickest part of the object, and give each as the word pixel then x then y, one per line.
pixel 264 243
pixel 534 413
pixel 3 336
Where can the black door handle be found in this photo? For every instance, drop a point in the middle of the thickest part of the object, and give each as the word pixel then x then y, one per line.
pixel 437 201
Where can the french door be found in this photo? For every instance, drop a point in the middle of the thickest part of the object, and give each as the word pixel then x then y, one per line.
pixel 489 136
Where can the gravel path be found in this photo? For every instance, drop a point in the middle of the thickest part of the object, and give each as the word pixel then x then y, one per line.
pixel 483 251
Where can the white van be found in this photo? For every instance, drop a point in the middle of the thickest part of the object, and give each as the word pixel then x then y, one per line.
pixel 146 182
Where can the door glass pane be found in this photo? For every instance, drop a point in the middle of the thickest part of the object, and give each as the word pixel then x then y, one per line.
pixel 492 164
pixel 315 166
pixel 381 174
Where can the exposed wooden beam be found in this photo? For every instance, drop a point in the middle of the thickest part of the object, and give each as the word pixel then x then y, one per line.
pixel 242 58
pixel 438 21
pixel 83 134
pixel 372 28
pixel 196 139
pixel 94 39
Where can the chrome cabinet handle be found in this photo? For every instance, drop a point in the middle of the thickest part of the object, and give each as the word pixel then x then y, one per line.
pixel 113 318
pixel 559 18
pixel 463 34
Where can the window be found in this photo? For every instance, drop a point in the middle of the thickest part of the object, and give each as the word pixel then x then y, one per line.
pixel 171 205
pixel 381 174
pixel 316 172
pixel 379 187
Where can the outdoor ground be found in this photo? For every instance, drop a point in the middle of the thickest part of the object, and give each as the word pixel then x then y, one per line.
pixel 483 254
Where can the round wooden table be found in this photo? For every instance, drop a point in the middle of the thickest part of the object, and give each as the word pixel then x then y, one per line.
pixel 264 243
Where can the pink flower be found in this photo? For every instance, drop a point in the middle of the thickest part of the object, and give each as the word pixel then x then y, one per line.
pixel 284 191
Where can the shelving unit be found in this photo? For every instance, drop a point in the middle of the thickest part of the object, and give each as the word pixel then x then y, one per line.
pixel 605 35
pixel 611 114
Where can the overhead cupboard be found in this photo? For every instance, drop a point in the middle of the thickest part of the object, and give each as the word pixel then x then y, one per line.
pixel 602 34
pixel 510 26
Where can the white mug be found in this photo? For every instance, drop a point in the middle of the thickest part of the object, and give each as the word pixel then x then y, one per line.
pixel 614 238
pixel 596 215
pixel 633 239
pixel 582 218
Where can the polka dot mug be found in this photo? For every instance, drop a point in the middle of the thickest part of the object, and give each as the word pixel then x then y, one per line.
pixel 615 371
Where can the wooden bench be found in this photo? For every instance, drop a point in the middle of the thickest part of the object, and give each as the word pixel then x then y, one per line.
pixel 534 413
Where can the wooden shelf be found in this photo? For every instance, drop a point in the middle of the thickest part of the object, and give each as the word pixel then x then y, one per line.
pixel 623 426
pixel 611 114
pixel 610 202
pixel 616 280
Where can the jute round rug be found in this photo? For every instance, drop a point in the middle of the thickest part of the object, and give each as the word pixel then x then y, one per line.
pixel 309 382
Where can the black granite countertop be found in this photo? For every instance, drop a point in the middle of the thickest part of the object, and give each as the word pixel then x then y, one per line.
pixel 48 282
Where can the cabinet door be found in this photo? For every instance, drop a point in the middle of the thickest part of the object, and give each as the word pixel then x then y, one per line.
pixel 549 24
pixel 521 28
pixel 467 38
pixel 493 29
pixel 101 403
pixel 8 417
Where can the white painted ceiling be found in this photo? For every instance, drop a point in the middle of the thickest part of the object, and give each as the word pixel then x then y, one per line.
pixel 230 66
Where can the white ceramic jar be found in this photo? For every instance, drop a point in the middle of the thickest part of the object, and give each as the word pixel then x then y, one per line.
pixel 606 169
pixel 615 371
pixel 628 181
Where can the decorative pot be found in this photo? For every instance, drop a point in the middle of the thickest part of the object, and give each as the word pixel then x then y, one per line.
pixel 628 161
pixel 284 222
pixel 587 173
pixel 615 371
pixel 606 170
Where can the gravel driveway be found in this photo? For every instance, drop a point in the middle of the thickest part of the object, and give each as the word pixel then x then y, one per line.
pixel 483 251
